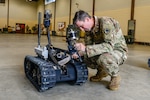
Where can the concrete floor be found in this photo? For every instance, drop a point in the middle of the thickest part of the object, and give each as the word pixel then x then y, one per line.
pixel 135 73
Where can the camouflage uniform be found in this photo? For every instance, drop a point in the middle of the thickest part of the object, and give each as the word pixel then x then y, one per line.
pixel 105 46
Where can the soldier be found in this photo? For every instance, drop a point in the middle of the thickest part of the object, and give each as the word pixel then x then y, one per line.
pixel 105 48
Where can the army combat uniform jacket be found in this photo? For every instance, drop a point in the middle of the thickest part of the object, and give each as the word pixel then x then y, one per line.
pixel 106 37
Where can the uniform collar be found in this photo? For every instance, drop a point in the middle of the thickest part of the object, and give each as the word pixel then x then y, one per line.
pixel 96 25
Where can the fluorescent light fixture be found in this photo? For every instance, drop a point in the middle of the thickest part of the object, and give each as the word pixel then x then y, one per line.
pixel 49 1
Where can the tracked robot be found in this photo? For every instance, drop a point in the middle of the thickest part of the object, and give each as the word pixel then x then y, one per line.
pixel 51 64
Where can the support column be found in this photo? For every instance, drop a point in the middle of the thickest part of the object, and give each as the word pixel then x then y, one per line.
pixel 93 11
pixel 8 14
pixel 70 12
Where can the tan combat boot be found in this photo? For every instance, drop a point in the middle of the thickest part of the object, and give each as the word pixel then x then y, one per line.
pixel 114 83
pixel 99 76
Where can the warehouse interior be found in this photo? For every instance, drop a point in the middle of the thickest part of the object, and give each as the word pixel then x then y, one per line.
pixel 19 36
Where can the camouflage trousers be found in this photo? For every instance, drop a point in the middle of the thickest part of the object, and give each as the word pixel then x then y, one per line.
pixel 109 62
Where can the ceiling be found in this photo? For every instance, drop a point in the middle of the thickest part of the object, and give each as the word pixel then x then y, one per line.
pixel 32 0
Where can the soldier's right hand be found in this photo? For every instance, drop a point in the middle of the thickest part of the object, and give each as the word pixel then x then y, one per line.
pixel 80 47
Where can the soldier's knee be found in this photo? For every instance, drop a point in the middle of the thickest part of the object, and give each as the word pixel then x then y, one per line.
pixel 106 59
pixel 108 62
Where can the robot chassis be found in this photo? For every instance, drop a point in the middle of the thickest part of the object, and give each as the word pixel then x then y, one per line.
pixel 52 65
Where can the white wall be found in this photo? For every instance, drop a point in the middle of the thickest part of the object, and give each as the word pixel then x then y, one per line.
pixel 3 15
pixel 142 17
pixel 119 9
pixel 25 12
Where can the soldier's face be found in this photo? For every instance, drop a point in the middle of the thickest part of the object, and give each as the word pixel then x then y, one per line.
pixel 85 25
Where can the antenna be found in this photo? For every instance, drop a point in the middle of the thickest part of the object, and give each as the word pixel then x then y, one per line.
pixel 39 28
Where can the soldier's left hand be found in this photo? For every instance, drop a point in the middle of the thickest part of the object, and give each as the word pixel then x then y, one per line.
pixel 80 53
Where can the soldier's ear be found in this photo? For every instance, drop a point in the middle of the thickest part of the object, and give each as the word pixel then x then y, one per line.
pixel 87 19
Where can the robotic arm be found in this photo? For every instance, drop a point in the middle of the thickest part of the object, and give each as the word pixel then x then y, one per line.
pixel 72 35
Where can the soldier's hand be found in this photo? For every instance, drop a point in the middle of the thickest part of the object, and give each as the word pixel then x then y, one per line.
pixel 80 47
pixel 80 53
pixel 75 56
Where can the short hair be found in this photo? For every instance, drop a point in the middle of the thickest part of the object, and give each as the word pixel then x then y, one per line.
pixel 80 16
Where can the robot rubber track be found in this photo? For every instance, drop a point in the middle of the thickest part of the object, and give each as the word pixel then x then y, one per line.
pixel 44 75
